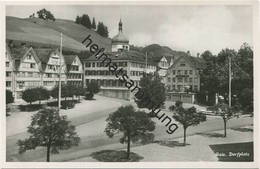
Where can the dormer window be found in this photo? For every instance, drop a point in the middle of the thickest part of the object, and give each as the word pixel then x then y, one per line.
pixel 182 64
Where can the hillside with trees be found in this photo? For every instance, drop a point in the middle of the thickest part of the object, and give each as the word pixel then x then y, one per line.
pixel 100 28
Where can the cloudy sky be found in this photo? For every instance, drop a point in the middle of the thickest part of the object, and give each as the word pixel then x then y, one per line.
pixel 194 28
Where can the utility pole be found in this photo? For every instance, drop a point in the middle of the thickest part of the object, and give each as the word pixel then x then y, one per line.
pixel 230 79
pixel 59 97
pixel 145 62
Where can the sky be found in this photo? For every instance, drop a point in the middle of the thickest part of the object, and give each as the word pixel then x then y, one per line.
pixel 181 27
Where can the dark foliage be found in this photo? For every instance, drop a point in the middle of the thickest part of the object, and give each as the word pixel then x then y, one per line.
pixel 187 117
pixel 154 92
pixel 45 14
pixel 115 156
pixel 9 96
pixel 136 126
pixel 49 129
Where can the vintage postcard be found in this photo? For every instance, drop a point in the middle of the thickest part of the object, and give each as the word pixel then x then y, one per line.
pixel 91 82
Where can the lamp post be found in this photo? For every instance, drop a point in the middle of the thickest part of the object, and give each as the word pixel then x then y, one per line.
pixel 59 95
pixel 230 80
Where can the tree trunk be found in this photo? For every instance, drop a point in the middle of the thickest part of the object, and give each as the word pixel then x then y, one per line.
pixel 225 127
pixel 48 153
pixel 184 136
pixel 128 146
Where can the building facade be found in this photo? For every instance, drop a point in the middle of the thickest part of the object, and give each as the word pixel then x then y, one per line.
pixel 133 65
pixel 163 65
pixel 30 68
pixel 25 70
pixel 183 79
pixel 74 71
pixel 50 63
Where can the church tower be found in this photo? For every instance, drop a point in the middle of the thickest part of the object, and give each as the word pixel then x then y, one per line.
pixel 120 42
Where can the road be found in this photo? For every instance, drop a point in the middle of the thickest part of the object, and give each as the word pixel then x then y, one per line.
pixel 90 127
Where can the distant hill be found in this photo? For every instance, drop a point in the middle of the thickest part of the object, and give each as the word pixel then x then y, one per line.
pixel 35 30
pixel 155 51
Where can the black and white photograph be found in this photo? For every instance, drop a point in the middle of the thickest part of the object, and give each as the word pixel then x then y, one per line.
pixel 120 82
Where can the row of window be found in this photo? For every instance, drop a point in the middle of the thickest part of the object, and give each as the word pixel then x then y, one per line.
pixel 74 76
pixel 182 87
pixel 99 64
pixel 136 73
pixel 53 75
pixel 22 84
pixel 109 83
pixel 74 68
pixel 28 65
pixel 182 79
pixel 182 72
pixel 28 74
pixel 101 72
pixel 53 67
pixel 142 65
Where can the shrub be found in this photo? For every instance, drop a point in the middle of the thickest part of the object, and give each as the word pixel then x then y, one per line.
pixel 69 104
pixel 89 96
pixel 9 96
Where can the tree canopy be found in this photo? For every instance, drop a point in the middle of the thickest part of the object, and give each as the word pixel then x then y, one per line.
pixel 154 92
pixel 45 14
pixel 187 117
pixel 135 126
pixel 102 29
pixel 49 129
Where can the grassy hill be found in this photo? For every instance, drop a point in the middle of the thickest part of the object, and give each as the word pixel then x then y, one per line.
pixel 39 31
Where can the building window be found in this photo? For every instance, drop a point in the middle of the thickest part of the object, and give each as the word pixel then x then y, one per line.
pixel 179 72
pixel 185 79
pixel 8 74
pixel 30 74
pixel 173 79
pixel 93 64
pixel 173 72
pixel 186 72
pixel 169 79
pixel 29 56
pixel 195 80
pixel 49 75
pixel 182 64
pixel 32 65
pixel 87 64
pixel 190 79
pixel 180 80
pixel 190 72
pixel 7 64
pixel 173 87
pixel 8 84
pixel 179 87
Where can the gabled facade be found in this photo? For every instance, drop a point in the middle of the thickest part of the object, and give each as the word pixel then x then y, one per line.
pixel 9 73
pixel 50 62
pixel 26 70
pixel 184 75
pixel 74 71
pixel 163 65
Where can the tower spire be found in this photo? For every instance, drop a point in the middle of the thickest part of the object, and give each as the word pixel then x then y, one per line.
pixel 120 26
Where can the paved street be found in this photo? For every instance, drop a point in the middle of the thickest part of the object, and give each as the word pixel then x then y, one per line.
pixel 89 117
